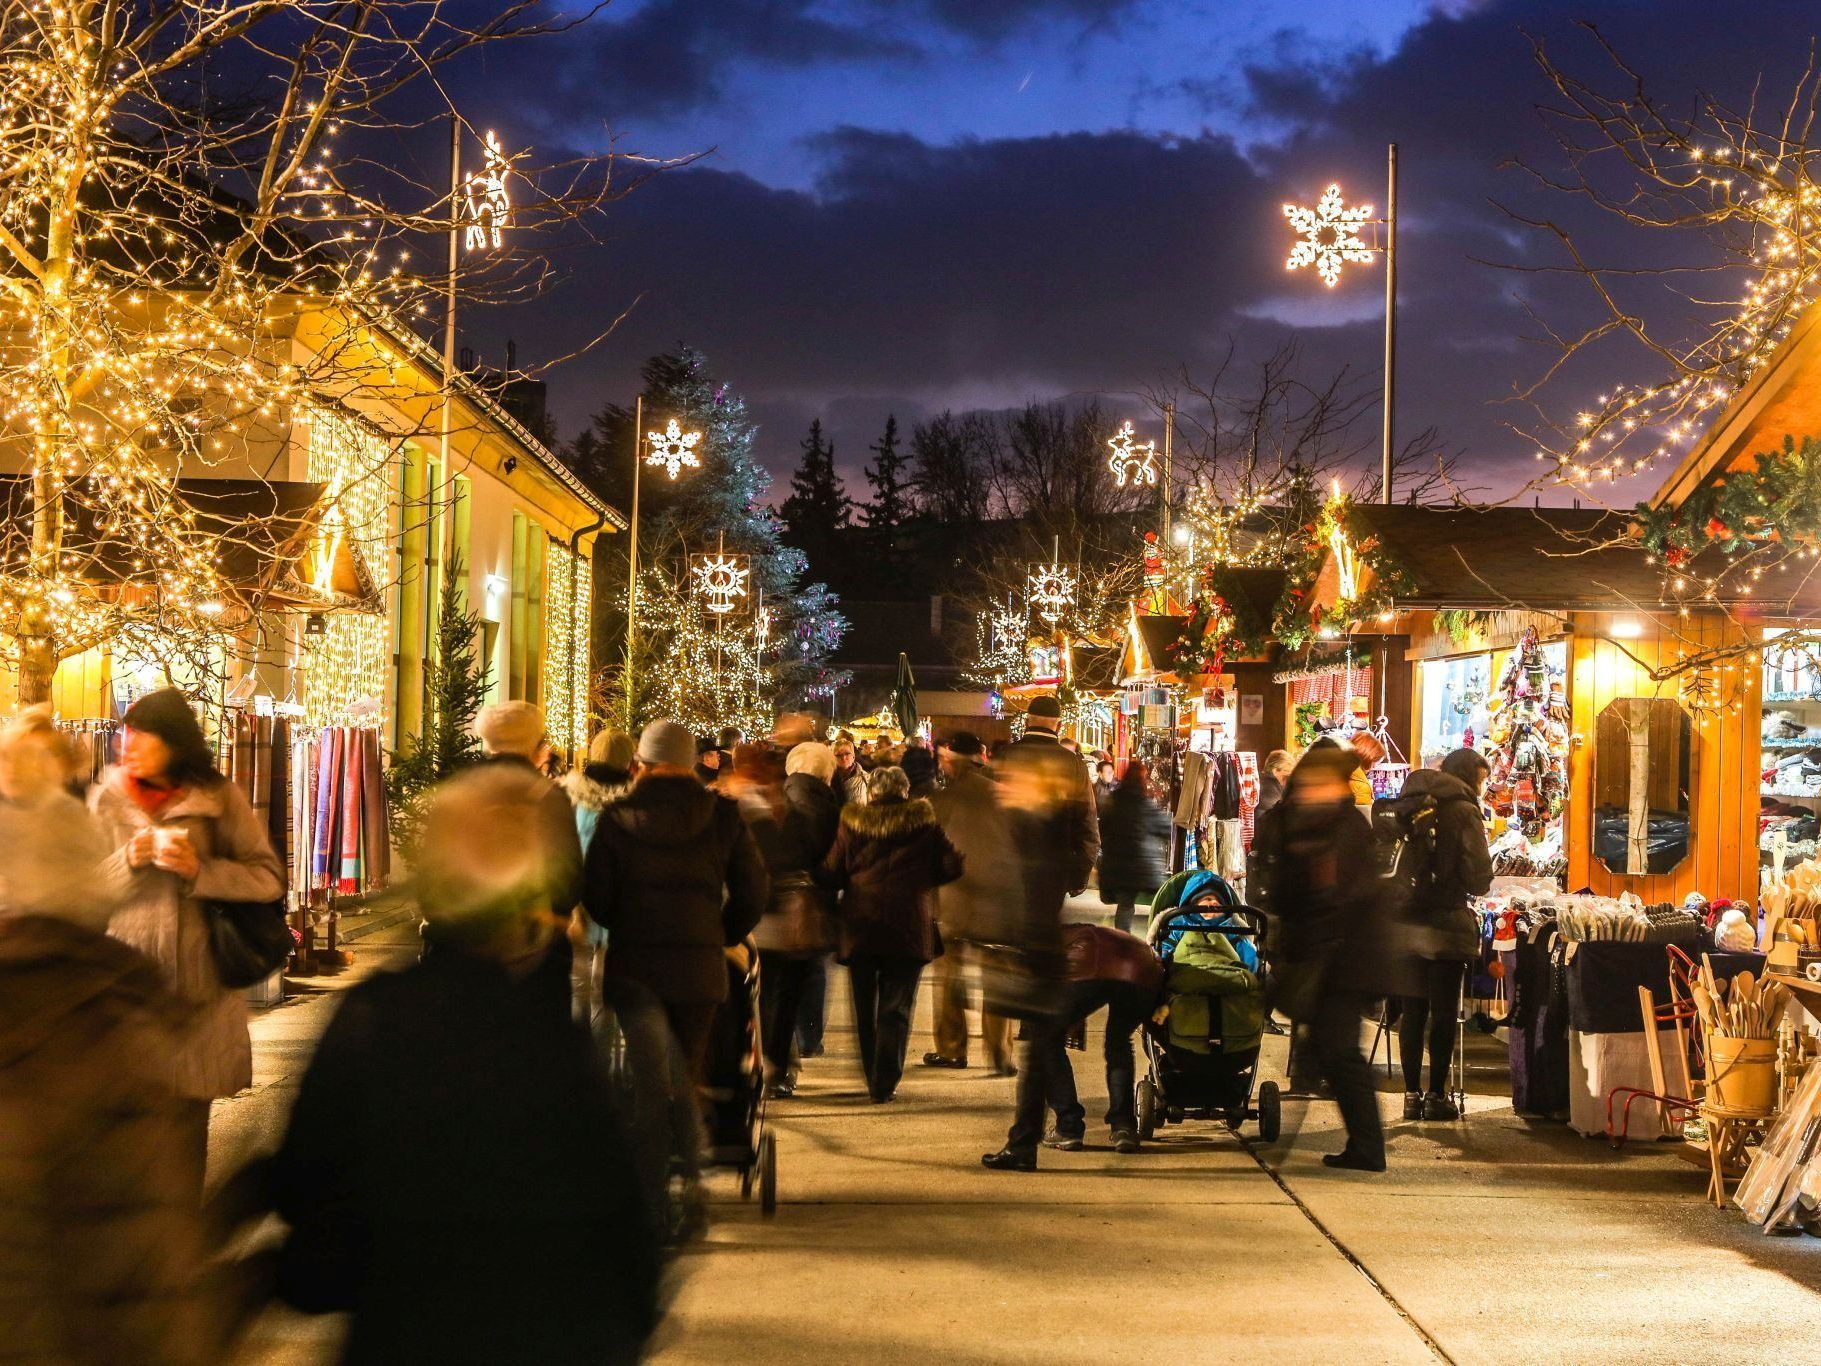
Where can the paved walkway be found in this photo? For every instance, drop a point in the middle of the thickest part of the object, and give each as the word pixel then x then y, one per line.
pixel 1495 1240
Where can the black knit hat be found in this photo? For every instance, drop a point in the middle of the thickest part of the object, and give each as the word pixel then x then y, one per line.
pixel 168 715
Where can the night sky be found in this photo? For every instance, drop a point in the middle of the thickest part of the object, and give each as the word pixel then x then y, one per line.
pixel 918 204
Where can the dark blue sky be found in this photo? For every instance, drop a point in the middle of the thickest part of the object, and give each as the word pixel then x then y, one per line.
pixel 918 204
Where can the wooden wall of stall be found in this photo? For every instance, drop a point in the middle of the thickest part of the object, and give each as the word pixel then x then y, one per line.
pixel 1253 679
pixel 1723 781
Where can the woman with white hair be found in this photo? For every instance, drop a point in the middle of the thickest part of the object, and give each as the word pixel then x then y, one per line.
pixel 888 858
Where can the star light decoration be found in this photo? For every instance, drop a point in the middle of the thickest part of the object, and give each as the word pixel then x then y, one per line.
pixel 673 448
pixel 1131 458
pixel 1330 235
pixel 1051 590
pixel 720 580
pixel 487 206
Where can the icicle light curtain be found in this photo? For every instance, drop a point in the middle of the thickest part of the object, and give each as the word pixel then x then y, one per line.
pixel 348 663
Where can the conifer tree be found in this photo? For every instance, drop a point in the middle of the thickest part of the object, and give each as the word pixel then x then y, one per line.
pixel 890 507
pixel 818 505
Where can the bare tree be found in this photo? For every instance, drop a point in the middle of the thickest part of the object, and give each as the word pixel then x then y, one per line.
pixel 164 252
pixel 955 457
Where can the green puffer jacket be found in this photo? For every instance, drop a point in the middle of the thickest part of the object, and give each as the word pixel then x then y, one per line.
pixel 1206 975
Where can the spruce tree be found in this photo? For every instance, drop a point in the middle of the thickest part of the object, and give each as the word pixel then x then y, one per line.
pixel 890 507
pixel 818 505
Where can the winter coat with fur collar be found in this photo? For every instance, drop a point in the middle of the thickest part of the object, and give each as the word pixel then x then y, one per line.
pixel 888 859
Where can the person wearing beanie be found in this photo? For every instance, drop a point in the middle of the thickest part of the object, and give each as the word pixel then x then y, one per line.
pixel 183 835
pixel 603 779
pixel 457 1228
pixel 512 735
pixel 675 878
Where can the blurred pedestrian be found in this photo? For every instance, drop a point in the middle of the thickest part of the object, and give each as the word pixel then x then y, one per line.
pixel 1050 799
pixel 1317 880
pixel 919 767
pixel 1112 970
pixel 888 858
pixel 603 780
pixel 182 836
pixel 454 1172
pixel 103 1257
pixel 675 879
pixel 1134 846
pixel 798 926
pixel 975 912
pixel 512 733
pixel 1439 810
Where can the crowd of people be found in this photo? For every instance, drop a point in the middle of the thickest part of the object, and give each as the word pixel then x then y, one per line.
pixel 427 1178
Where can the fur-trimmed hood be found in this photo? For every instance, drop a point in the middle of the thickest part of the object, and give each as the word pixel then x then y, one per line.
pixel 888 820
pixel 588 795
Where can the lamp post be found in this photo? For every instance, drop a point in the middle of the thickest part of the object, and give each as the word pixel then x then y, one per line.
pixel 673 448
pixel 1329 237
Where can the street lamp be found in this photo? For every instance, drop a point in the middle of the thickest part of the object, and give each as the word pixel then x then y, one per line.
pixel 1329 237
pixel 673 448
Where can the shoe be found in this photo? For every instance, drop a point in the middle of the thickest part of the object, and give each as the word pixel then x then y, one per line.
pixel 1125 1141
pixel 885 1099
pixel 1005 1069
pixel 1352 1162
pixel 815 1052
pixel 1437 1108
pixel 1009 1160
pixel 781 1090
pixel 937 1060
pixel 1063 1143
pixel 1413 1105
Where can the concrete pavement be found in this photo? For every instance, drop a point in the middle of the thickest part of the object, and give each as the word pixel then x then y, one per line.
pixel 1498 1239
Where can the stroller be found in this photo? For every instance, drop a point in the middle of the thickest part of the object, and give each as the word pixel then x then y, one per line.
pixel 1182 1083
pixel 738 1137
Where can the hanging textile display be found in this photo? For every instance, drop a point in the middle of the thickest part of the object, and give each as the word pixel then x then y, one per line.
pixel 341 813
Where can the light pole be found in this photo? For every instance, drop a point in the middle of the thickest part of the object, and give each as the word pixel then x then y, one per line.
pixel 673 448
pixel 1328 237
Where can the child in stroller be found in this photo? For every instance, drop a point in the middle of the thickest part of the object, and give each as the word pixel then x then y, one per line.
pixel 1202 1046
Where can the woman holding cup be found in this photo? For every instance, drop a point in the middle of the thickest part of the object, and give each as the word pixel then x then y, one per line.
pixel 183 834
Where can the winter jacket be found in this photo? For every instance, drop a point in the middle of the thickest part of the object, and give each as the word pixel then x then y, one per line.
pixel 562 844
pixel 101 1245
pixel 983 904
pixel 674 877
pixel 454 1173
pixel 888 860
pixel 1134 846
pixel 1098 953
pixel 162 916
pixel 589 794
pixel 799 917
pixel 1461 864
pixel 1206 975
pixel 1057 832
pixel 851 787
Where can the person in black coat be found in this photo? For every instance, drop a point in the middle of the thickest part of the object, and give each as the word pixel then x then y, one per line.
pixel 453 1172
pixel 1317 880
pixel 1134 846
pixel 888 859
pixel 675 878
pixel 1456 867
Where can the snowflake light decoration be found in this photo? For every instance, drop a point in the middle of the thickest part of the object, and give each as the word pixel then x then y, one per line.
pixel 1051 589
pixel 673 448
pixel 720 580
pixel 1330 235
pixel 488 208
pixel 1132 459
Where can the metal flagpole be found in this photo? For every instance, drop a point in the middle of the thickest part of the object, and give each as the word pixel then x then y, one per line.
pixel 1169 441
pixel 632 549
pixel 455 227
pixel 1390 315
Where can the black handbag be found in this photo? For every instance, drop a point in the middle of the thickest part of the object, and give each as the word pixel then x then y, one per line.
pixel 249 940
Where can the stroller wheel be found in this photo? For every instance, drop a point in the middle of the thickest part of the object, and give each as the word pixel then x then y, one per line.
pixel 768 1174
pixel 1270 1112
pixel 1147 1108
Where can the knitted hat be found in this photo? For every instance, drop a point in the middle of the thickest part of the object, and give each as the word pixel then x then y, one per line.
pixel 966 744
pixel 1044 706
pixel 813 758
pixel 510 728
pixel 614 748
pixel 667 743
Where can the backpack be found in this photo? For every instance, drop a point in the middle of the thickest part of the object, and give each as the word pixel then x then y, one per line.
pixel 1406 829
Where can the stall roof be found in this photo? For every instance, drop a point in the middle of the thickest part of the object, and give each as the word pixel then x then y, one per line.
pixel 1536 558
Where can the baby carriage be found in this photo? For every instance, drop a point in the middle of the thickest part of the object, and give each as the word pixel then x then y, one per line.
pixel 739 1138
pixel 1202 1059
